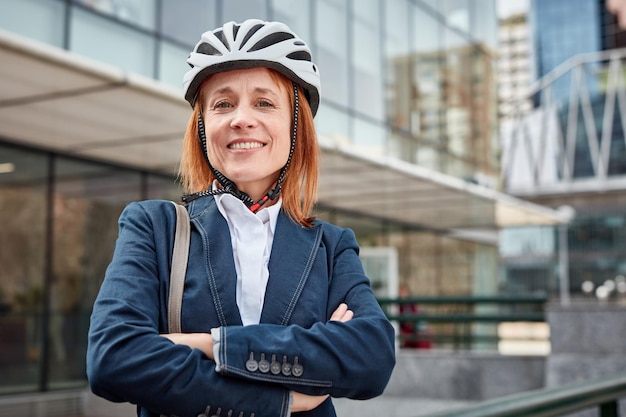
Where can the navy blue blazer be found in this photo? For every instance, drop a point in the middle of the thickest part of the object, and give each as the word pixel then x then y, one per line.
pixel 295 346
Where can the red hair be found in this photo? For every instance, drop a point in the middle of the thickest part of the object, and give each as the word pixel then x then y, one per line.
pixel 299 189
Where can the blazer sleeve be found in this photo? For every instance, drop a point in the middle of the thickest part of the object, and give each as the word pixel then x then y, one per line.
pixel 127 359
pixel 352 359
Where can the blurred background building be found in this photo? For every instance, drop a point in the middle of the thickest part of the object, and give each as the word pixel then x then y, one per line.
pixel 432 149
pixel 569 147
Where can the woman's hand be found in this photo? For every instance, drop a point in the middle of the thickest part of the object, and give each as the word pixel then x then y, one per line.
pixel 304 402
pixel 342 313
pixel 202 341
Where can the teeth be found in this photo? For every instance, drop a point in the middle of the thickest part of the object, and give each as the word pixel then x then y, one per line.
pixel 246 145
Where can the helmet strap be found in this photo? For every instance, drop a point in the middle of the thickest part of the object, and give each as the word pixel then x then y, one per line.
pixel 228 186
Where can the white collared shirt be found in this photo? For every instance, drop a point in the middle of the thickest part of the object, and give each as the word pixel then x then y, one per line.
pixel 251 237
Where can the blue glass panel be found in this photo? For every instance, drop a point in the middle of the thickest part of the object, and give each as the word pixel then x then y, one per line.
pixel 41 20
pixel 104 40
pixel 186 20
pixel 367 59
pixel 173 64
pixel 332 49
pixel 239 10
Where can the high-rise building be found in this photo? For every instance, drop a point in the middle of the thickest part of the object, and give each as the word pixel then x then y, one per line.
pixel 92 116
pixel 569 150
pixel 514 66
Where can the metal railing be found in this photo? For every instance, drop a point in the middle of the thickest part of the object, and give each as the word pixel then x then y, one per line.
pixel 451 319
pixel 570 139
pixel 603 393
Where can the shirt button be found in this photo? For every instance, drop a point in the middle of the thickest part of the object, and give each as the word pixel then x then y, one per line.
pixel 251 364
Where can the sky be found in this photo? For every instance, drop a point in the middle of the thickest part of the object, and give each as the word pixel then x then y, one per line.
pixel 508 7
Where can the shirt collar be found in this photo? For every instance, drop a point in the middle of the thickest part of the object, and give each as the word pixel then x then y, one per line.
pixel 236 212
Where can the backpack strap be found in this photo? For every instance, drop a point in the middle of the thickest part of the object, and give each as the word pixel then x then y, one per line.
pixel 178 270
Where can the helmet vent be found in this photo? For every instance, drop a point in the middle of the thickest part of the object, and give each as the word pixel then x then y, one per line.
pixel 300 56
pixel 270 40
pixel 220 35
pixel 251 32
pixel 207 49
pixel 235 30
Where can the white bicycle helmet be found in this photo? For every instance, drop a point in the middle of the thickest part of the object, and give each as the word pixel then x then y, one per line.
pixel 251 44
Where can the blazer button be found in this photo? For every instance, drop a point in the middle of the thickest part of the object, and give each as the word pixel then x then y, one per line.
pixel 274 366
pixel 251 364
pixel 206 412
pixel 286 368
pixel 264 365
pixel 297 369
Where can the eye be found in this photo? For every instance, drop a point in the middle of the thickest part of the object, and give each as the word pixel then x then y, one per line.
pixel 222 105
pixel 265 103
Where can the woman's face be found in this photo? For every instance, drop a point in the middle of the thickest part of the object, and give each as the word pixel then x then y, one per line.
pixel 247 117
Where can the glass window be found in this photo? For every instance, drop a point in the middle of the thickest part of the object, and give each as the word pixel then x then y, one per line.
pixel 173 64
pixel 456 13
pixel 427 83
pixel 484 24
pixel 87 202
pixel 139 12
pixel 369 135
pixel 426 31
pixel 240 10
pixel 397 51
pixel 165 188
pixel 296 14
pixel 42 20
pixel 367 59
pixel 23 211
pixel 99 38
pixel 332 49
pixel 186 20
pixel 332 123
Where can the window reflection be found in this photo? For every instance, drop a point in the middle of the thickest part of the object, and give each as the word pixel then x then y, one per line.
pixel 23 196
pixel 240 10
pixel 332 49
pixel 367 58
pixel 139 12
pixel 57 238
pixel 185 21
pixel 122 46
pixel 296 13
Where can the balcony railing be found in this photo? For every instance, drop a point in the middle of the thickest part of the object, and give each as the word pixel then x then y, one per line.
pixel 460 322
pixel 603 393
pixel 574 138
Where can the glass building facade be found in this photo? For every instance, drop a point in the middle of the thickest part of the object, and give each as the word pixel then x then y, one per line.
pixel 404 78
pixel 576 147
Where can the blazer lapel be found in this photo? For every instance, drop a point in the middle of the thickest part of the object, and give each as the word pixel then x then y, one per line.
pixel 221 272
pixel 293 252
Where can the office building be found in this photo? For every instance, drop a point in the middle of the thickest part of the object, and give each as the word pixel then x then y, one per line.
pixel 92 116
pixel 570 151
pixel 514 66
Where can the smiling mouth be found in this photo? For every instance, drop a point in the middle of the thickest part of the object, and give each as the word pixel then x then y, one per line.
pixel 246 145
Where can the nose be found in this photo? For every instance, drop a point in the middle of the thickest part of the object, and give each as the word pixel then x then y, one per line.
pixel 243 117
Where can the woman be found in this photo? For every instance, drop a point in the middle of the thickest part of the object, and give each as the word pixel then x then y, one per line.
pixel 277 314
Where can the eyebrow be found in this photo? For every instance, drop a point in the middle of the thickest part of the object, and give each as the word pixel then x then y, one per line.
pixel 228 90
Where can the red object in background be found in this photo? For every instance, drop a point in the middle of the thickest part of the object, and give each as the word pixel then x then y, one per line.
pixel 410 334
